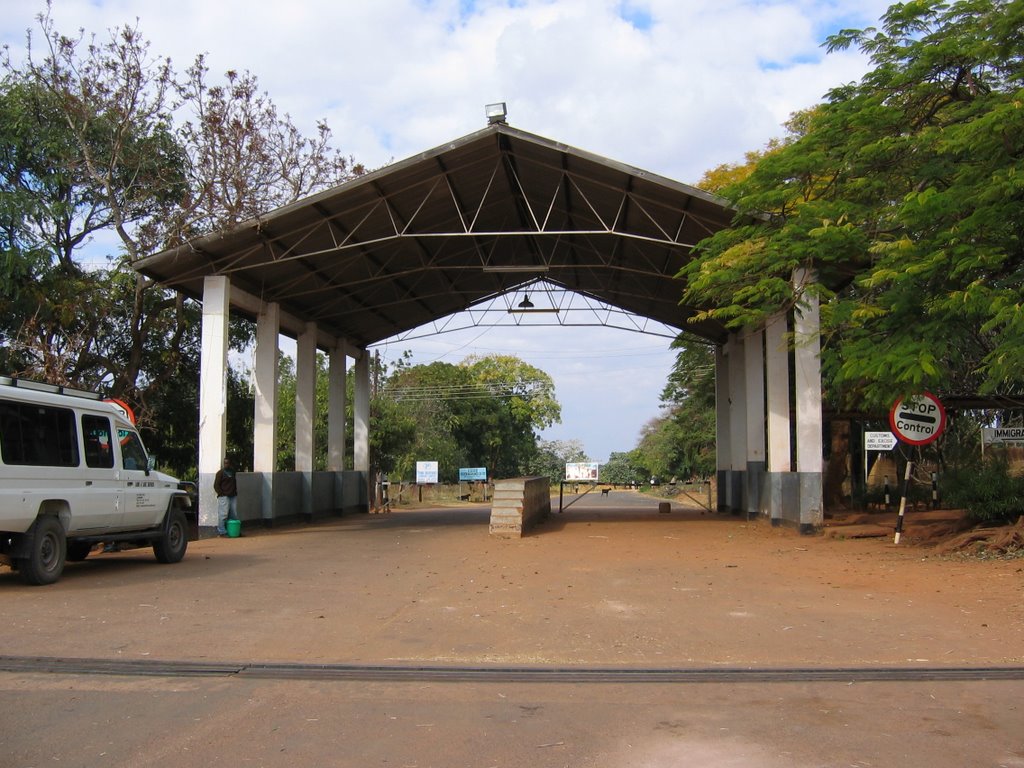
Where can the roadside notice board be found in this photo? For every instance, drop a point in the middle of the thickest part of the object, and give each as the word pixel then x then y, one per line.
pixel 426 472
pixel 472 473
pixel 918 420
pixel 587 470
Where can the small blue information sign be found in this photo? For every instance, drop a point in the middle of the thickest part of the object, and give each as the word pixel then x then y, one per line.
pixel 467 474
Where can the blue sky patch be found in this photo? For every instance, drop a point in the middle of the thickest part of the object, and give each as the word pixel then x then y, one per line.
pixel 637 15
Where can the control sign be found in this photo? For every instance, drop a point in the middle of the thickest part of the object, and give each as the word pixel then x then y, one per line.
pixel 918 420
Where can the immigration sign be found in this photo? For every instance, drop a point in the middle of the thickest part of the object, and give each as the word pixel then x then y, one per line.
pixel 1002 435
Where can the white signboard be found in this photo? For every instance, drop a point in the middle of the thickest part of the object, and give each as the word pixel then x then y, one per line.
pixel 582 471
pixel 996 435
pixel 918 420
pixel 426 472
pixel 879 441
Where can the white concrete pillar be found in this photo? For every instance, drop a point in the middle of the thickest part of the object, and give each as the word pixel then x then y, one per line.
pixel 268 326
pixel 213 392
pixel 781 493
pixel 723 414
pixel 753 366
pixel 265 381
pixel 337 396
pixel 807 370
pixel 361 416
pixel 737 423
pixel 305 398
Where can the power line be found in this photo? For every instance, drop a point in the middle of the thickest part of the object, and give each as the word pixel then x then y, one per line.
pixel 487 390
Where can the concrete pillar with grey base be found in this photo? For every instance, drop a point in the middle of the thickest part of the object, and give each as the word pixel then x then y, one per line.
pixel 781 486
pixel 807 365
pixel 361 425
pixel 737 425
pixel 213 392
pixel 722 416
pixel 753 366
pixel 305 414
pixel 265 365
pixel 337 424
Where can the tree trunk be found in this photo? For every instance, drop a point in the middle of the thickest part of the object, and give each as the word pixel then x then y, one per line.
pixel 837 469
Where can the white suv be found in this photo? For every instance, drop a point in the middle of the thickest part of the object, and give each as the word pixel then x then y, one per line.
pixel 73 474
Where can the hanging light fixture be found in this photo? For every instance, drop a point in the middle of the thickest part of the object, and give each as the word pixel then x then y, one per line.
pixel 526 306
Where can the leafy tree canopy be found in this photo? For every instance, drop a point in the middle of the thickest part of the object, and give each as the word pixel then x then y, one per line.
pixel 904 191
pixel 102 141
pixel 552 456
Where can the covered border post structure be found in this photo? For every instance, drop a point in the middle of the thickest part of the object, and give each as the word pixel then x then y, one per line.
pixel 265 495
pixel 758 410
pixel 456 228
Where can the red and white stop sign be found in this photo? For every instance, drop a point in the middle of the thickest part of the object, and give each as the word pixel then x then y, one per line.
pixel 918 420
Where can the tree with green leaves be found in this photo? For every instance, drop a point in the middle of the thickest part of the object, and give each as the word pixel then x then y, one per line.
pixel 101 141
pixel 624 468
pixel 552 456
pixel 448 410
pixel 482 412
pixel 680 441
pixel 529 405
pixel 904 193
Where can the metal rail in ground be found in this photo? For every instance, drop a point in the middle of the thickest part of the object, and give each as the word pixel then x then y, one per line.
pixel 490 674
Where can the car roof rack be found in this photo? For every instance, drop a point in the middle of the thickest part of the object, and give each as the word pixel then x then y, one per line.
pixel 55 389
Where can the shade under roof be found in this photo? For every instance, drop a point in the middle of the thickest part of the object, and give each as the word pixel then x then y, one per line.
pixel 450 228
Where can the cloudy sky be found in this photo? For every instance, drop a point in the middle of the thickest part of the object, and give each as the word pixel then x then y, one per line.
pixel 671 86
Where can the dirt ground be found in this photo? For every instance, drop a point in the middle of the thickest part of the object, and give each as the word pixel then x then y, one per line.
pixel 611 583
pixel 608 582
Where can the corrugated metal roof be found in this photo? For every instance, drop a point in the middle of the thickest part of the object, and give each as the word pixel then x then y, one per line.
pixel 442 231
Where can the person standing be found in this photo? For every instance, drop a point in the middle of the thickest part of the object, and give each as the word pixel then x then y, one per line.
pixel 225 485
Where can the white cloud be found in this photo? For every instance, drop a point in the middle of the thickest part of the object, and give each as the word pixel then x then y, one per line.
pixel 671 86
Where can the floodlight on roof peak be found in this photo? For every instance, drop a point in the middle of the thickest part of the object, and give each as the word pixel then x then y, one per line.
pixel 496 113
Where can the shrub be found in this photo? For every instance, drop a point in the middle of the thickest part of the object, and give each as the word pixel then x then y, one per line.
pixel 987 490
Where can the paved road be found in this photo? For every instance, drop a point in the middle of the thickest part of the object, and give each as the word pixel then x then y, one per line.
pixel 606 585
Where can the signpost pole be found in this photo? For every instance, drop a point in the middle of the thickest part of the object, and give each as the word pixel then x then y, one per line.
pixel 864 444
pixel 903 503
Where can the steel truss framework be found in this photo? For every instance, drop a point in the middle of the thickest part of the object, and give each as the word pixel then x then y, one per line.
pixel 467 228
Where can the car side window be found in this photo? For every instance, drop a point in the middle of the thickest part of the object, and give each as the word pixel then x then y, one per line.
pixel 133 455
pixel 37 435
pixel 99 453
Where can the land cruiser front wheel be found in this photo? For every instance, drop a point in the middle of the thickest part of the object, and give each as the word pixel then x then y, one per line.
pixel 45 561
pixel 171 546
